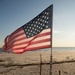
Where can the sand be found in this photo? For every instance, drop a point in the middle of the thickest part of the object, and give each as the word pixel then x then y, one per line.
pixel 28 63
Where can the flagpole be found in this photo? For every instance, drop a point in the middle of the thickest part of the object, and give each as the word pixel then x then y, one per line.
pixel 51 44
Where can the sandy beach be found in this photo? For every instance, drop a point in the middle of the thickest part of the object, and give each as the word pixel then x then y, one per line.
pixel 28 63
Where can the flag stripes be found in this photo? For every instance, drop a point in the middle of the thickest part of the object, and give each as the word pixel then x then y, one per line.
pixel 23 44
pixel 22 38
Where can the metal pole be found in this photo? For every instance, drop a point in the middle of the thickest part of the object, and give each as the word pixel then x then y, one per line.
pixel 51 43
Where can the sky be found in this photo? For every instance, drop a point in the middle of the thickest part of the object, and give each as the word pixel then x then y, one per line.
pixel 15 13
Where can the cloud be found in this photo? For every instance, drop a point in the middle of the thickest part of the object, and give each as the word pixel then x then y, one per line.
pixel 55 31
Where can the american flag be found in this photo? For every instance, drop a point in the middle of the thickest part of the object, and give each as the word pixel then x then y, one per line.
pixel 34 35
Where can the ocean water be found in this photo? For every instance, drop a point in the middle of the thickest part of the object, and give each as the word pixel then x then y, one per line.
pixel 1 50
pixel 54 49
pixel 59 49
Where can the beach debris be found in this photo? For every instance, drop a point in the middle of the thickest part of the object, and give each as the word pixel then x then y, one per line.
pixel 2 60
pixel 10 61
pixel 67 57
pixel 66 72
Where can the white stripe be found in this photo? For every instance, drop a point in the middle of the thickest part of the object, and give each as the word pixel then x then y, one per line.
pixel 46 30
pixel 21 50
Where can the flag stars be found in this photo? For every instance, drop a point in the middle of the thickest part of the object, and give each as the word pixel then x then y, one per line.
pixel 31 24
pixel 36 25
pixel 39 23
pixel 42 20
pixel 38 19
pixel 35 29
pixel 43 16
pixel 45 21
pixel 30 27
pixel 43 25
pixel 33 21
pixel 36 33
pixel 26 32
pixel 36 22
pixel 47 17
pixel 31 30
pixel 28 36
pixel 46 26
pixel 32 34
pixel 29 33
pixel 47 13
pixel 39 31
pixel 25 29
pixel 27 26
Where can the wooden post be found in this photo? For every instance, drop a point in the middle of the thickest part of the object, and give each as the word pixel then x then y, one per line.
pixel 40 64
pixel 59 72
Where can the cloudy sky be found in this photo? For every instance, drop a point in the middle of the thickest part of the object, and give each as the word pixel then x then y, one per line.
pixel 15 13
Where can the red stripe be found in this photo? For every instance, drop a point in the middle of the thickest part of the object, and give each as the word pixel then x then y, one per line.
pixel 6 43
